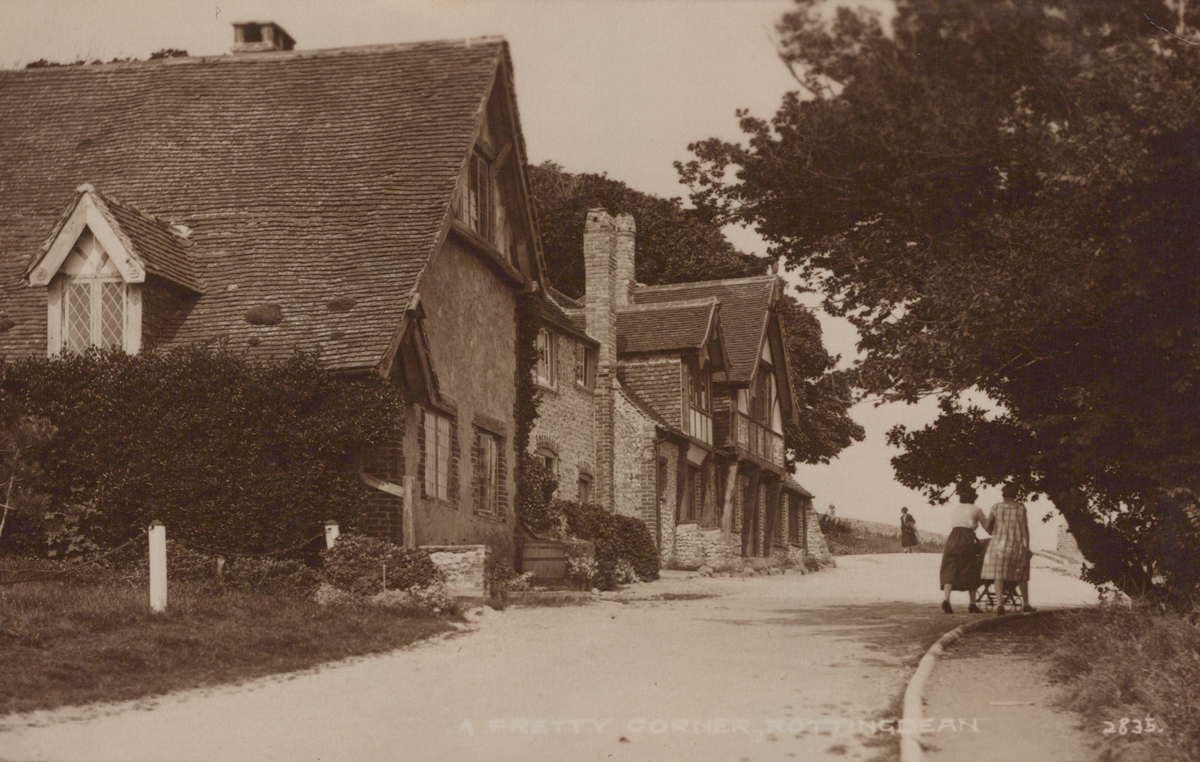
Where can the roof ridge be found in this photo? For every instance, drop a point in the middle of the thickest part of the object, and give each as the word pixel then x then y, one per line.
pixel 695 283
pixel 270 55
pixel 706 301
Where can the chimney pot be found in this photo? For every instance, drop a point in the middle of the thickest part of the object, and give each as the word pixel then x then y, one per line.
pixel 260 37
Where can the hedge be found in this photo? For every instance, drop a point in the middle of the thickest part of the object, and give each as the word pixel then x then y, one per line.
pixel 617 538
pixel 233 454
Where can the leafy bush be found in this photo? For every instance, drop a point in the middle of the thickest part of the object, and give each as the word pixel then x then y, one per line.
pixel 617 538
pixel 241 455
pixel 356 564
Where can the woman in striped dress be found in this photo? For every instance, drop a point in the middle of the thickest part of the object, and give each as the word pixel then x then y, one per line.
pixel 1007 557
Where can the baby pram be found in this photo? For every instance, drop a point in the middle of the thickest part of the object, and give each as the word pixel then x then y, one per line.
pixel 986 596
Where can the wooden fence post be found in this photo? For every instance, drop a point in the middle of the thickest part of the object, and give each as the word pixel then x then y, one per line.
pixel 158 567
pixel 331 533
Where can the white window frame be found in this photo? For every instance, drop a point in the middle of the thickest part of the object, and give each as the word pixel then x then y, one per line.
pixel 547 358
pixel 439 434
pixel 477 203
pixel 585 365
pixel 487 472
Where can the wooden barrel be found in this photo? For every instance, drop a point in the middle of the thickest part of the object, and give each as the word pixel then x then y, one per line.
pixel 547 560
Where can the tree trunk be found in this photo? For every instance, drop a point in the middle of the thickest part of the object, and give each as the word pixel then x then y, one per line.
pixel 1113 557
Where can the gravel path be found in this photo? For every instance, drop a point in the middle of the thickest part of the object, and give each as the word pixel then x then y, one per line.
pixel 780 667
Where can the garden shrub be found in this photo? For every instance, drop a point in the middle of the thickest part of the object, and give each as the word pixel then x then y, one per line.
pixel 616 538
pixel 356 564
pixel 239 455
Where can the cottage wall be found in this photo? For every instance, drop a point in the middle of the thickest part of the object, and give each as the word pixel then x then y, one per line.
pixel 635 466
pixel 471 326
pixel 667 467
pixel 566 423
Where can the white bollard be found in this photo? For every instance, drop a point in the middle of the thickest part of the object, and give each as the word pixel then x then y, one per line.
pixel 158 567
pixel 331 533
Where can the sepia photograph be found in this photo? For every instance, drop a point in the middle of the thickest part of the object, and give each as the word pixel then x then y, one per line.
pixel 560 380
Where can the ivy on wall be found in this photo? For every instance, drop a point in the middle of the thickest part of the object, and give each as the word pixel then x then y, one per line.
pixel 525 408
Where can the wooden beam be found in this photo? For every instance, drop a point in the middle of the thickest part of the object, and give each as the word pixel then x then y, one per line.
pixel 774 492
pixel 730 491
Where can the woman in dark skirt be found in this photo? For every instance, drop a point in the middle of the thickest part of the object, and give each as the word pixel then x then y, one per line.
pixel 960 559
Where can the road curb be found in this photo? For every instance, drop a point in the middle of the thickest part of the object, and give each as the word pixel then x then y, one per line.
pixel 910 722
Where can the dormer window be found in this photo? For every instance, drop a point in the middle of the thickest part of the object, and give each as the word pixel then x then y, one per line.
pixel 92 297
pixel 93 268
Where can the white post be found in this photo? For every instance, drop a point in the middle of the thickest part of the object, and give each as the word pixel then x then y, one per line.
pixel 409 541
pixel 331 533
pixel 158 567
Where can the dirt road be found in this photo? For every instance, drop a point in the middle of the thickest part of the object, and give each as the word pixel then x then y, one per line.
pixel 781 667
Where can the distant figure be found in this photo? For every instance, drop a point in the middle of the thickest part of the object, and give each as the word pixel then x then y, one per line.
pixel 1008 554
pixel 960 559
pixel 832 511
pixel 908 530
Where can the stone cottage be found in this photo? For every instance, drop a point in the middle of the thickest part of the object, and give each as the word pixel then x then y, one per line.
pixel 369 204
pixel 667 403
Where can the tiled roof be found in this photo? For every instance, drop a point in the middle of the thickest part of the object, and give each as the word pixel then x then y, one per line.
pixel 649 411
pixel 161 251
pixel 304 177
pixel 664 327
pixel 791 484
pixel 745 304
pixel 657 386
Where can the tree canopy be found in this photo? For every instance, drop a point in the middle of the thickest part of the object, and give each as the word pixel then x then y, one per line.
pixel 1000 196
pixel 676 245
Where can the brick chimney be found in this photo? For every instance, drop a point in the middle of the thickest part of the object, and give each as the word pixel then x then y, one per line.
pixel 600 270
pixel 260 37
pixel 625 277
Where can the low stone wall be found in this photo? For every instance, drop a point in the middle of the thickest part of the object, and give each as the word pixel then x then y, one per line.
pixel 696 547
pixel 463 566
pixel 817 547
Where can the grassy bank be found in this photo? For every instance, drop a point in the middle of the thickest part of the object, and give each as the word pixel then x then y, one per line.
pixel 1133 673
pixel 846 540
pixel 74 642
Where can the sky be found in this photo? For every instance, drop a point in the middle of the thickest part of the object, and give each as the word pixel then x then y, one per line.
pixel 605 86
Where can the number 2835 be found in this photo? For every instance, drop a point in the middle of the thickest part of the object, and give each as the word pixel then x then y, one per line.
pixel 1136 726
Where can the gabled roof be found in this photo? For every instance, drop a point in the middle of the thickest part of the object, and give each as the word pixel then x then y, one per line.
pixel 667 326
pixel 307 178
pixel 553 315
pixel 745 310
pixel 148 242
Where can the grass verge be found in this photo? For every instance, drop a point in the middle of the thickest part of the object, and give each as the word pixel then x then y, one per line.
pixel 1133 673
pixel 67 643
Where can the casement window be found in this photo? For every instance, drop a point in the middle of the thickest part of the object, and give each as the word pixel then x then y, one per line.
pixel 793 513
pixel 436 450
pixel 478 207
pixel 585 488
pixel 487 473
pixel 585 365
pixel 546 358
pixel 547 458
pixel 699 391
pixel 90 299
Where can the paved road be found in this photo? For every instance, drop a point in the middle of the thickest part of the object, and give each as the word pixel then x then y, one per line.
pixel 782 667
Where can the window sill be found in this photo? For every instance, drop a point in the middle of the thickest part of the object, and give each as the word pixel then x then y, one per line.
pixel 493 517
